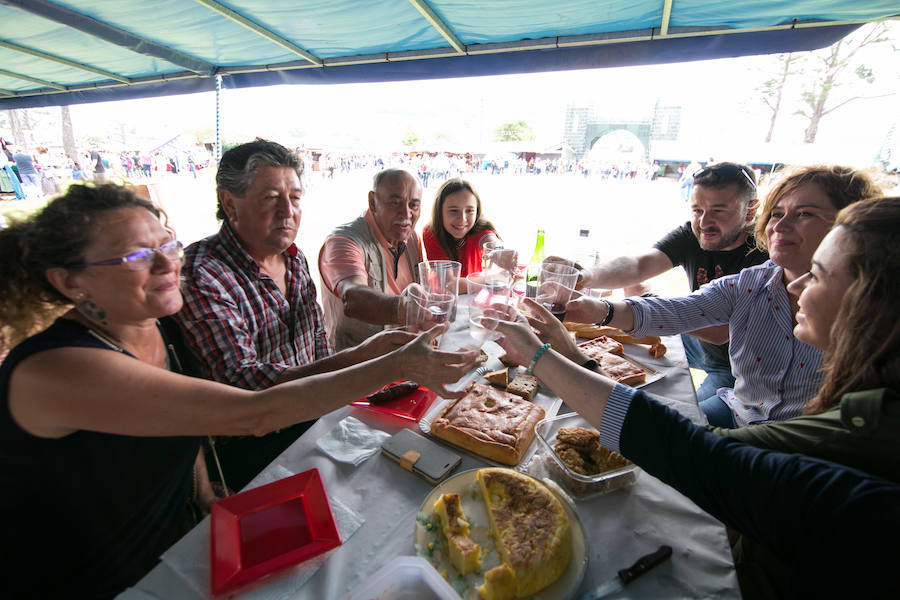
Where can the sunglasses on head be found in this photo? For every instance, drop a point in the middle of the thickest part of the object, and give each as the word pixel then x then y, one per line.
pixel 726 172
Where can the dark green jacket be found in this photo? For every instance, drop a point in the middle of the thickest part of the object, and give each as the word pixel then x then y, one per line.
pixel 862 432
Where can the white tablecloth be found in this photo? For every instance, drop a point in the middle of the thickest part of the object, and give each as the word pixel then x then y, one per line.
pixel 620 526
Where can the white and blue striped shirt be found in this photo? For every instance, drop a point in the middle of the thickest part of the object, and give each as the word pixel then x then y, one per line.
pixel 775 373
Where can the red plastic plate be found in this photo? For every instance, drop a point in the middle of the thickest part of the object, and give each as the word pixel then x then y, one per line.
pixel 263 530
pixel 410 407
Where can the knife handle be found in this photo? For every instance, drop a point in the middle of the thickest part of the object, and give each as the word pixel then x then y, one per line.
pixel 644 564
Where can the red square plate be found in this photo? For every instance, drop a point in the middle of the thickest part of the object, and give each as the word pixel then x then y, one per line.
pixel 268 528
pixel 410 407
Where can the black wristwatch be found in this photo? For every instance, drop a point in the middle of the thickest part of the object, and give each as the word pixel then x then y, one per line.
pixel 609 313
pixel 590 364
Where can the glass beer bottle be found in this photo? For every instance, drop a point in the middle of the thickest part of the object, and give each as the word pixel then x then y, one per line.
pixel 533 273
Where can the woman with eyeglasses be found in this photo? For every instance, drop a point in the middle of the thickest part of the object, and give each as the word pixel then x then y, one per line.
pixel 796 513
pixel 775 374
pixel 98 422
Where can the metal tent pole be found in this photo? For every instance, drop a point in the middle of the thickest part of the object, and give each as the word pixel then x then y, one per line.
pixel 218 102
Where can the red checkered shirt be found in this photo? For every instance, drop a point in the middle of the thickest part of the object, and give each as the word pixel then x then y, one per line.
pixel 240 327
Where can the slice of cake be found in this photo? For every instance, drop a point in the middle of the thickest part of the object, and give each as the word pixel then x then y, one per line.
pixel 499 584
pixel 622 370
pixel 465 554
pixel 500 378
pixel 506 360
pixel 531 530
pixel 601 345
pixel 450 514
pixel 523 385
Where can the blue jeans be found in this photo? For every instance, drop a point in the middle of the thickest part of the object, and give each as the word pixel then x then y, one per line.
pixel 717 412
pixel 718 373
pixel 686 189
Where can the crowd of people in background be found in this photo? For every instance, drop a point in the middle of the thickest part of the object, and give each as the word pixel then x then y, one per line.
pixel 434 168
pixel 36 172
pixel 53 169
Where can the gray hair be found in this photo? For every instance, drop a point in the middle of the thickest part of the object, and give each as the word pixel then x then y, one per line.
pixel 239 165
pixel 390 174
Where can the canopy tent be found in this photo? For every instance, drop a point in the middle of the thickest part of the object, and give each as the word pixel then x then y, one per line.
pixel 74 51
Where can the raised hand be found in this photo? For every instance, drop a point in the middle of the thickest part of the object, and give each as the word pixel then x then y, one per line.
pixel 383 342
pixel 585 309
pixel 579 284
pixel 551 331
pixel 421 362
pixel 517 337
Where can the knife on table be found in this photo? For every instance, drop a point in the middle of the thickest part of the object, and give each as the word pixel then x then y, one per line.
pixel 626 576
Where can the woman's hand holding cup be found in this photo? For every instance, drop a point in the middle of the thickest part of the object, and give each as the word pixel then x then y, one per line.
pixel 517 337
pixel 421 362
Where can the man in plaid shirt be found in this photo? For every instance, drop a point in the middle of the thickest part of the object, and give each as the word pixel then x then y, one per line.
pixel 250 315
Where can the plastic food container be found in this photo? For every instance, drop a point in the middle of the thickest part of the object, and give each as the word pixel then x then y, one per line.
pixel 404 578
pixel 581 487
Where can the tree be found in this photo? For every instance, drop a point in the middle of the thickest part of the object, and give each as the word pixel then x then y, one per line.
pixel 514 131
pixel 772 89
pixel 410 138
pixel 833 68
pixel 68 134
pixel 16 125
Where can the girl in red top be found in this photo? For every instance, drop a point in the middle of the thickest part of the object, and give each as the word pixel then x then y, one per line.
pixel 457 230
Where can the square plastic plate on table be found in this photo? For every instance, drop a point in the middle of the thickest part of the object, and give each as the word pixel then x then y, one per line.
pixel 410 407
pixel 653 374
pixel 269 528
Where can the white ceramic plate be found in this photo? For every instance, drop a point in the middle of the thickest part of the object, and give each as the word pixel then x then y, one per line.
pixel 474 508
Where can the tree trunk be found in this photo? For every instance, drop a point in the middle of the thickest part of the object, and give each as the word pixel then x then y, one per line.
pixel 818 111
pixel 68 134
pixel 777 107
pixel 809 136
pixel 15 123
pixel 774 116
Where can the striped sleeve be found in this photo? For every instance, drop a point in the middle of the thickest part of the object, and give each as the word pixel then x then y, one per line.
pixel 711 305
pixel 614 416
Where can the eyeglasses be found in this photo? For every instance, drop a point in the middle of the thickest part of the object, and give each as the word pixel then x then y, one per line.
pixel 726 172
pixel 142 258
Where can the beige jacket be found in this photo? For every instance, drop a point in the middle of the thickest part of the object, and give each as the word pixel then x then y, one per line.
pixel 344 331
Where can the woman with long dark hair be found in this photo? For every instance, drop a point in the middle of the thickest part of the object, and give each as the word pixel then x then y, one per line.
pixel 458 230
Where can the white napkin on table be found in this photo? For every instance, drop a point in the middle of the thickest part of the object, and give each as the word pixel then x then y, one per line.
pixel 189 557
pixel 352 441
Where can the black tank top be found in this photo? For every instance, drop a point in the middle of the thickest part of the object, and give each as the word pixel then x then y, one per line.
pixel 89 514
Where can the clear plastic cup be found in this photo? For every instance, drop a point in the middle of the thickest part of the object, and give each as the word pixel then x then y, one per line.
pixel 497 258
pixel 556 287
pixel 441 278
pixel 481 333
pixel 485 289
pixel 424 310
pixel 486 251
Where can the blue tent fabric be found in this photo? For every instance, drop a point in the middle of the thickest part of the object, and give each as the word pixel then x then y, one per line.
pixel 72 51
pixel 563 59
